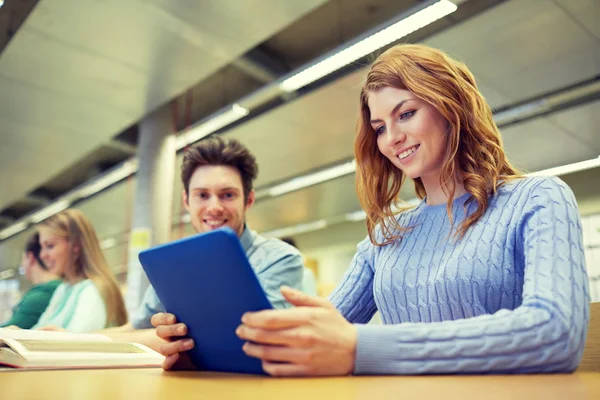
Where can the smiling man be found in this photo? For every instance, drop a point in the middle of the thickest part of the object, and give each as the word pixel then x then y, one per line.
pixel 217 176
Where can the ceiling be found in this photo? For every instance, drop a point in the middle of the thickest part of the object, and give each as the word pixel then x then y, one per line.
pixel 75 122
pixel 78 72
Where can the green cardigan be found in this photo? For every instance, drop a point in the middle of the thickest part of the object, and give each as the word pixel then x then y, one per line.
pixel 34 302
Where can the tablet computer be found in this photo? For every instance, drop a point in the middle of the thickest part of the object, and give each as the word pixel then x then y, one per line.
pixel 208 283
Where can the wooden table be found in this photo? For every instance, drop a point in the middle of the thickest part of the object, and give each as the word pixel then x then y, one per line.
pixel 155 384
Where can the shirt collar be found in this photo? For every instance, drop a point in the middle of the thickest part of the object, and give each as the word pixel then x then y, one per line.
pixel 247 238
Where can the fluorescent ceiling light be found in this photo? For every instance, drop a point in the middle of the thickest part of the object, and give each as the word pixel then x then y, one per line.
pixel 521 112
pixel 297 229
pixel 569 168
pixel 50 210
pixel 204 129
pixel 13 229
pixel 115 175
pixel 313 178
pixel 368 45
pixel 356 216
pixel 6 274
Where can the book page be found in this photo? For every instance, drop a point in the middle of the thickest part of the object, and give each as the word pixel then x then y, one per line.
pixel 28 334
pixel 57 346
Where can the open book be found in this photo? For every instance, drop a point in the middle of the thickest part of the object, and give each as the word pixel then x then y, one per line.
pixel 30 349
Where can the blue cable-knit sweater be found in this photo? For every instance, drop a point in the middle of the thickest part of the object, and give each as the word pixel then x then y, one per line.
pixel 511 296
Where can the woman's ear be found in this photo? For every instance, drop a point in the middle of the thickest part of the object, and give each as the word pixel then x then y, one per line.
pixel 76 249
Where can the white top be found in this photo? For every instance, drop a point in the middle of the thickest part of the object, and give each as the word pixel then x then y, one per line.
pixel 76 308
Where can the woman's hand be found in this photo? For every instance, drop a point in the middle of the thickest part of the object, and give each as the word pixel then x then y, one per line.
pixel 52 328
pixel 168 329
pixel 311 339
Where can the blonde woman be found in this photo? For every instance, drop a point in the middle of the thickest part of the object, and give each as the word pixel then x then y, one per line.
pixel 89 298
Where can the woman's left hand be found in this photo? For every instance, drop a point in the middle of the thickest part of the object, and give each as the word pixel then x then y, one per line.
pixel 312 338
pixel 52 328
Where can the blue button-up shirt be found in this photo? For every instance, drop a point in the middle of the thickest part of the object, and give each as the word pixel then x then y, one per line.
pixel 276 264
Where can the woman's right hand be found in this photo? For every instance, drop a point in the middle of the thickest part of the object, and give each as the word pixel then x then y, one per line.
pixel 176 347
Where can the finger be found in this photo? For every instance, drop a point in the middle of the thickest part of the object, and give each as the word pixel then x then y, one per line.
pixel 301 299
pixel 169 361
pixel 279 319
pixel 283 370
pixel 51 328
pixel 178 346
pixel 58 328
pixel 163 319
pixel 278 353
pixel 292 337
pixel 168 332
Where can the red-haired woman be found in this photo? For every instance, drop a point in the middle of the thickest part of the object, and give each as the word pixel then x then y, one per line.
pixel 486 274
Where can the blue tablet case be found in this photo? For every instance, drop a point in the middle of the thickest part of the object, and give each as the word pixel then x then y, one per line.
pixel 208 283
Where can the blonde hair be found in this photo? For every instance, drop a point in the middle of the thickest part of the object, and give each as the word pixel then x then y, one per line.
pixel 474 141
pixel 89 262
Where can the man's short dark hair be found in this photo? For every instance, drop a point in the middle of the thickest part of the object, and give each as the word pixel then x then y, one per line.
pixel 219 151
pixel 289 241
pixel 33 246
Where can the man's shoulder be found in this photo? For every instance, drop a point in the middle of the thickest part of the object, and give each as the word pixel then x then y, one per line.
pixel 35 298
pixel 49 286
pixel 266 252
pixel 43 290
pixel 272 245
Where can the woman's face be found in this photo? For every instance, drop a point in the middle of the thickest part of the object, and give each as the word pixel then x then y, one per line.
pixel 410 133
pixel 56 252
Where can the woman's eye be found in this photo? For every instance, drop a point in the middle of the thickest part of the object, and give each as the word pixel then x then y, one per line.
pixel 407 115
pixel 380 130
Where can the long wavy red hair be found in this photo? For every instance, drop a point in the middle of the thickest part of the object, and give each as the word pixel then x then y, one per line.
pixel 474 143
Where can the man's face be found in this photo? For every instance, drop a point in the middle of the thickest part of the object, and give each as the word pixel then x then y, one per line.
pixel 216 199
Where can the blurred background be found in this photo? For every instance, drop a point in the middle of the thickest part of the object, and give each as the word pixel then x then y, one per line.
pixel 78 78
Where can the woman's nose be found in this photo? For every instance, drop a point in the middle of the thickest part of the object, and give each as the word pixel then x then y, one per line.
pixel 394 136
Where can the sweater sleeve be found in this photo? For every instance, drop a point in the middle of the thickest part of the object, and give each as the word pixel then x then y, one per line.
pixel 546 333
pixel 29 310
pixel 353 297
